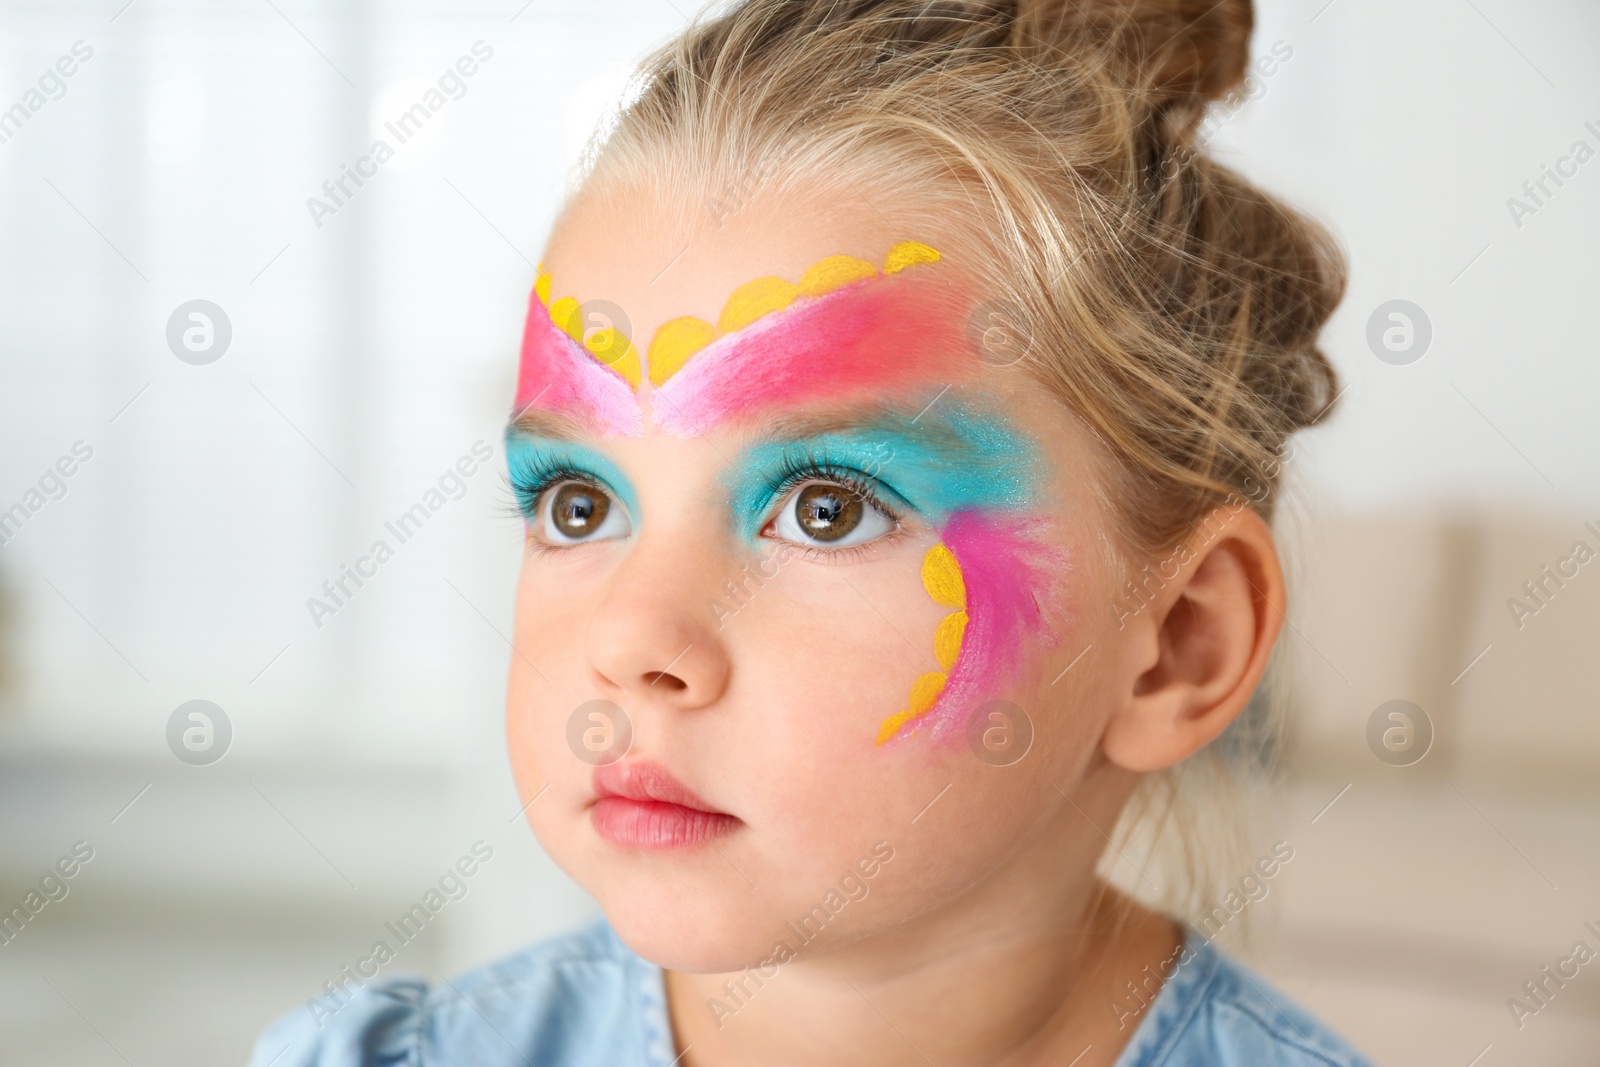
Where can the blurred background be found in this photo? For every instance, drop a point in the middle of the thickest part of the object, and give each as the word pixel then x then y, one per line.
pixel 221 376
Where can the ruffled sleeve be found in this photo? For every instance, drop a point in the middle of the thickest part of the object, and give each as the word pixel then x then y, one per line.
pixel 379 1025
pixel 581 999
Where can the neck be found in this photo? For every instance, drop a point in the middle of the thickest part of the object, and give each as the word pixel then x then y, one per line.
pixel 1026 968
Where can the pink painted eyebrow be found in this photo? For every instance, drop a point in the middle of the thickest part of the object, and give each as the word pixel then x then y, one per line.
pixel 557 374
pixel 872 335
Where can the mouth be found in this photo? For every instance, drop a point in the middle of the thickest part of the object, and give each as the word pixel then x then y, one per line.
pixel 640 805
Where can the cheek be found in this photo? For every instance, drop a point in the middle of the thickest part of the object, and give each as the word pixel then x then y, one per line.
pixel 547 632
pixel 861 663
pixel 993 579
pixel 828 655
pixel 523 687
pixel 837 645
pixel 821 654
pixel 1071 687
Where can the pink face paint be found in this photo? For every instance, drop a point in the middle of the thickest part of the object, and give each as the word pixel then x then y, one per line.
pixel 872 335
pixel 1005 570
pixel 557 374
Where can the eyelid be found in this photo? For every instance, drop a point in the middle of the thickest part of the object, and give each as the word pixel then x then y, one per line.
pixel 855 482
pixel 822 461
pixel 531 487
pixel 865 485
pixel 541 463
pixel 532 495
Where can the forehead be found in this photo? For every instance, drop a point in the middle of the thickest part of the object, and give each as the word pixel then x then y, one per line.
pixel 656 260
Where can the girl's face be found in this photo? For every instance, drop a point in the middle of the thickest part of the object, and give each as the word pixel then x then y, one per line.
pixel 807 566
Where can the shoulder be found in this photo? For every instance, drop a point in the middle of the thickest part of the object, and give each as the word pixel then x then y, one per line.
pixel 579 1000
pixel 1215 1012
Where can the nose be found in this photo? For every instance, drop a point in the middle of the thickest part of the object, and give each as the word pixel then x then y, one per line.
pixel 653 638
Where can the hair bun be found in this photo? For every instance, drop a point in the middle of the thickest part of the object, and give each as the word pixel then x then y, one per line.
pixel 1168 48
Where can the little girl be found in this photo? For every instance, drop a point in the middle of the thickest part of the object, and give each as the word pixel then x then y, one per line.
pixel 898 427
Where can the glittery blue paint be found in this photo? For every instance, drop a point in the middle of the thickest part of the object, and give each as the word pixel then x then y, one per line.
pixel 949 458
pixel 530 461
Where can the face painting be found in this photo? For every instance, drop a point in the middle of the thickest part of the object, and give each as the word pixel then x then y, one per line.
pixel 825 335
pixel 854 375
pixel 972 478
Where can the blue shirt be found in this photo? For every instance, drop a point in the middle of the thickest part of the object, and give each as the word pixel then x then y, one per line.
pixel 586 1000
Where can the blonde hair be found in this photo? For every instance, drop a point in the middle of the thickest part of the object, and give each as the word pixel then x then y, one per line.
pixel 1166 301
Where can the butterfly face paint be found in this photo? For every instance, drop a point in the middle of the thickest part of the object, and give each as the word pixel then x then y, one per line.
pixel 952 457
pixel 873 336
pixel 557 374
pixel 844 334
pixel 967 473
pixel 842 327
pixel 988 569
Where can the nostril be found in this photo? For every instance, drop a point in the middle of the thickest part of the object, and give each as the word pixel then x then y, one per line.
pixel 668 681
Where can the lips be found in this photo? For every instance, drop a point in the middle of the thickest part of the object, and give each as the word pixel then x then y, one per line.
pixel 639 805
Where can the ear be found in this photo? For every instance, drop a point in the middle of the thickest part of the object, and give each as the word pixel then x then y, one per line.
pixel 1200 646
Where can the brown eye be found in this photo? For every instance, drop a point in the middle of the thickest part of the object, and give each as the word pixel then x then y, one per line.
pixel 828 515
pixel 577 510
pixel 828 512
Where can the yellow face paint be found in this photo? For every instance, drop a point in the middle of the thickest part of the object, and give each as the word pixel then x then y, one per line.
pixel 941 577
pixel 678 339
pixel 674 343
pixel 606 344
pixel 907 254
pixel 835 272
pixel 754 299
pixel 924 692
pixel 567 317
pixel 947 638
pixel 617 352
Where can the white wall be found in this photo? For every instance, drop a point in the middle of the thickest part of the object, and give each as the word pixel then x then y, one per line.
pixel 1407 127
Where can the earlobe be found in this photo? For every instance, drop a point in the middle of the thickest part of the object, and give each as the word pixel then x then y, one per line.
pixel 1199 651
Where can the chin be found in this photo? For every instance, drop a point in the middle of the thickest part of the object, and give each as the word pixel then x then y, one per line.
pixel 697 929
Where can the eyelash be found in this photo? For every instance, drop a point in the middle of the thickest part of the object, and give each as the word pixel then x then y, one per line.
pixel 802 469
pixel 532 480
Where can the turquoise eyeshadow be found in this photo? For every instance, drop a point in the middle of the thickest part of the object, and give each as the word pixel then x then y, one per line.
pixel 950 458
pixel 528 457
